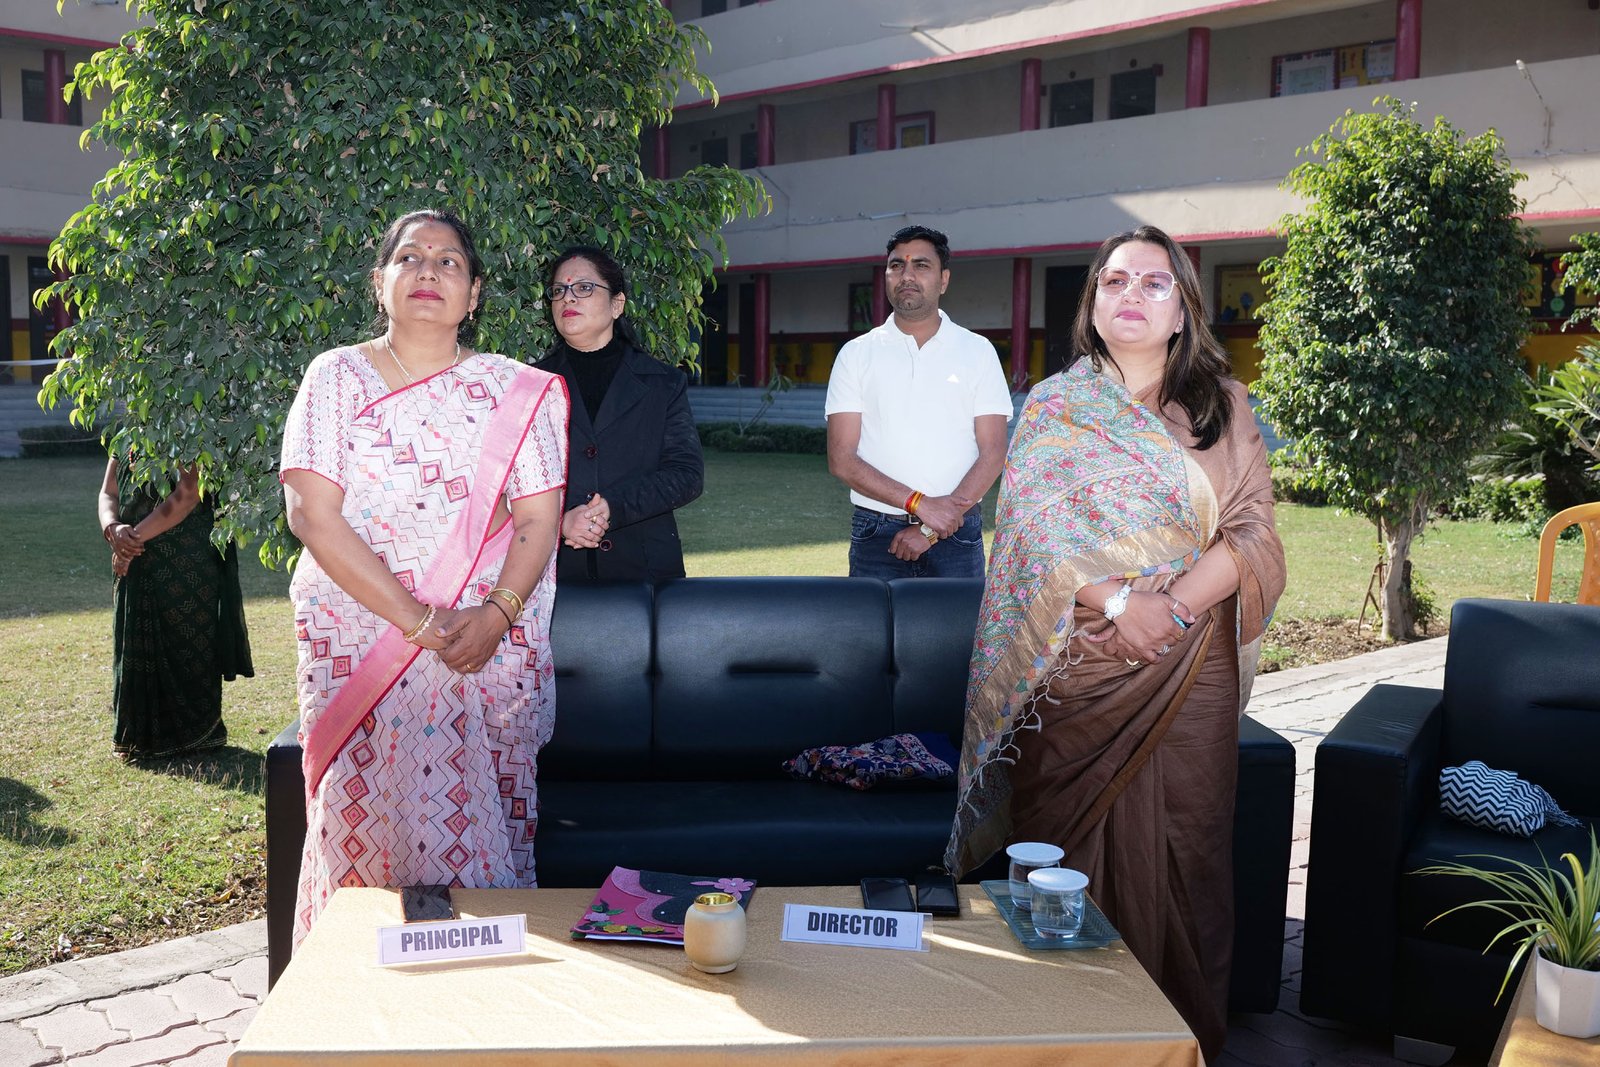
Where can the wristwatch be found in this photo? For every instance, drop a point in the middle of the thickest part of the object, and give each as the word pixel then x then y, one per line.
pixel 1117 602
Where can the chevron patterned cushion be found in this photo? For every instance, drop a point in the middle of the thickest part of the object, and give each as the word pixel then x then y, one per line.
pixel 1491 799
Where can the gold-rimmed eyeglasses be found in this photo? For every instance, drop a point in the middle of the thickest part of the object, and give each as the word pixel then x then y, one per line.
pixel 1153 284
pixel 579 290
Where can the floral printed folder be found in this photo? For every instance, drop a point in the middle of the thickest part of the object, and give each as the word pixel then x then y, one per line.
pixel 649 906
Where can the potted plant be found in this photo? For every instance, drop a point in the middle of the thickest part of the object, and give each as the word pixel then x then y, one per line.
pixel 1559 918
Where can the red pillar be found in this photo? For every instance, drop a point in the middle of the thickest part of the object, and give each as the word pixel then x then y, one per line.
pixel 880 299
pixel 763 327
pixel 886 138
pixel 1031 78
pixel 1021 311
pixel 1197 83
pixel 1407 40
pixel 766 135
pixel 55 80
pixel 660 152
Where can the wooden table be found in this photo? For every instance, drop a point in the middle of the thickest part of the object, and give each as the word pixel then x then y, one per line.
pixel 1524 1043
pixel 977 997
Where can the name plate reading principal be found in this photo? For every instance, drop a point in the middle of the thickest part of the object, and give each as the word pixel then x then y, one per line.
pixel 456 939
pixel 854 926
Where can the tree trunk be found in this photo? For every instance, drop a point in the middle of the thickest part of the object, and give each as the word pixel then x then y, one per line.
pixel 1398 622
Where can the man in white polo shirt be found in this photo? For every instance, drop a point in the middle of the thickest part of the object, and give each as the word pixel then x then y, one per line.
pixel 917 413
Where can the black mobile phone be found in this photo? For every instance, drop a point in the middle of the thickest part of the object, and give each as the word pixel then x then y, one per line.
pixel 426 903
pixel 887 894
pixel 936 894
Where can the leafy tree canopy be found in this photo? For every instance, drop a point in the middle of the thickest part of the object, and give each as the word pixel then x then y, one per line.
pixel 1571 398
pixel 266 143
pixel 1394 320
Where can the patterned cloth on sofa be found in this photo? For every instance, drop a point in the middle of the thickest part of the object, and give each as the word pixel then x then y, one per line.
pixel 1491 799
pixel 862 766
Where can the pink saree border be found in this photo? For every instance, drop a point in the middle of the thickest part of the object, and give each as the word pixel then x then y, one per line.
pixel 457 560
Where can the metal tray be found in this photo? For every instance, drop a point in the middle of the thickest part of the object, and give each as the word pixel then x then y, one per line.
pixel 1097 929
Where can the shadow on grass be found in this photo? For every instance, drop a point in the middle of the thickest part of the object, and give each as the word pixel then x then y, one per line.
pixel 20 804
pixel 229 767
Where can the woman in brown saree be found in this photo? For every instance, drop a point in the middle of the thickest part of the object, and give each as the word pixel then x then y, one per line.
pixel 1135 567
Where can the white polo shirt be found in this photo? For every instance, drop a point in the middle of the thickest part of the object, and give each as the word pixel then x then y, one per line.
pixel 917 404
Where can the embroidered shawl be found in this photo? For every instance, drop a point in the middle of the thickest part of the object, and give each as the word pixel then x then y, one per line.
pixel 1095 487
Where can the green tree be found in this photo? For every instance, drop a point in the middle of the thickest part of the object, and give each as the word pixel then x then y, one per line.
pixel 1571 397
pixel 265 144
pixel 1394 320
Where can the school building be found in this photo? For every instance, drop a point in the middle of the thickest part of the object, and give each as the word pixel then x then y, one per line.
pixel 45 177
pixel 1029 132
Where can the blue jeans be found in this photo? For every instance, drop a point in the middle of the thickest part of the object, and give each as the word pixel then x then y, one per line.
pixel 957 556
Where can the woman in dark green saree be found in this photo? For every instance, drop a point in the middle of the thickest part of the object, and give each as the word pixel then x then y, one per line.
pixel 179 628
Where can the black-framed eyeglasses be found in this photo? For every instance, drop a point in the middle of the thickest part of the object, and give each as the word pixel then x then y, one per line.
pixel 1153 284
pixel 579 290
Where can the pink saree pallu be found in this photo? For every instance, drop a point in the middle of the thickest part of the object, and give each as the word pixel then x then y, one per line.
pixel 416 774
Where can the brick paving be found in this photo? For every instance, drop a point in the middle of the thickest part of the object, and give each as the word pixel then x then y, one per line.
pixel 186 1002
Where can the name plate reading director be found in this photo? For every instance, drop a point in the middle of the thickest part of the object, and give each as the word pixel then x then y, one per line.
pixel 854 926
pixel 454 939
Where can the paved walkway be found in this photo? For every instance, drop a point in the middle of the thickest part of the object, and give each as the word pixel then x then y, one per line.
pixel 187 1001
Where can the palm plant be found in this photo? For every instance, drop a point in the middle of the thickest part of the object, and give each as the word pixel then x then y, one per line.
pixel 1570 397
pixel 1558 915
pixel 1550 439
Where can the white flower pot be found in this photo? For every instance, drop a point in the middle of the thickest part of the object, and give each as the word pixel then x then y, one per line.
pixel 1566 1000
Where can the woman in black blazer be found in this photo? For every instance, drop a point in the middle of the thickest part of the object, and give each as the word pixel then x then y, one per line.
pixel 633 453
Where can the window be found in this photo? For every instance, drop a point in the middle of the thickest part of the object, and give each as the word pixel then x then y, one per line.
pixel 714 152
pixel 747 151
pixel 1133 93
pixel 712 7
pixel 34 108
pixel 1072 102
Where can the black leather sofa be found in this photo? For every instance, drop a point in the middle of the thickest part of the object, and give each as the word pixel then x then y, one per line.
pixel 677 704
pixel 1522 693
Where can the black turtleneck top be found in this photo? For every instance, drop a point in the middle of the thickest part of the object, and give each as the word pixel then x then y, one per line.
pixel 592 372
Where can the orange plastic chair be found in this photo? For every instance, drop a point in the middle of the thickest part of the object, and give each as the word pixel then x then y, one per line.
pixel 1587 518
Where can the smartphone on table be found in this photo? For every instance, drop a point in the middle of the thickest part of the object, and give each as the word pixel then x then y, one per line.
pixel 936 893
pixel 426 903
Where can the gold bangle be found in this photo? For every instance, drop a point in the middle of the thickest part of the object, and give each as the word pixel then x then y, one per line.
pixel 515 601
pixel 412 634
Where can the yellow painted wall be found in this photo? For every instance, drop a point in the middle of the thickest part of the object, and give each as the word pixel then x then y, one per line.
pixel 19 350
pixel 1551 349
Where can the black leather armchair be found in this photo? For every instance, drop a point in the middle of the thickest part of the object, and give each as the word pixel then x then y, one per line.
pixel 1522 693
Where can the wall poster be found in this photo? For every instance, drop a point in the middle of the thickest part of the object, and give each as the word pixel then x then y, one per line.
pixel 1333 68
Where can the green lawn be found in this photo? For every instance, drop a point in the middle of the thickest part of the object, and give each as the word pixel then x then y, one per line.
pixel 95 855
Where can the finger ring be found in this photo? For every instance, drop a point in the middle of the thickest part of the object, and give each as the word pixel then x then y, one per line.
pixel 1135 664
pixel 1165 649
